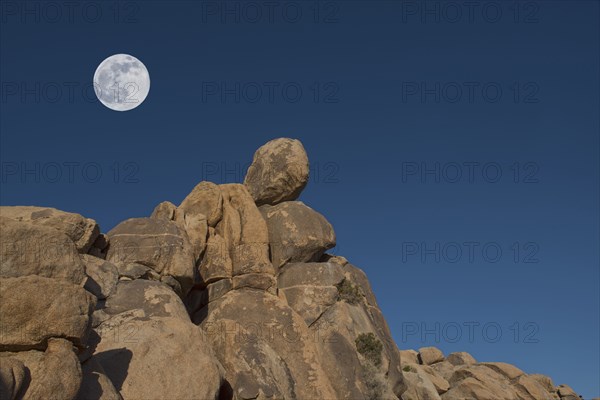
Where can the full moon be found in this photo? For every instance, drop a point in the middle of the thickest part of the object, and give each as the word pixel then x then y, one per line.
pixel 121 82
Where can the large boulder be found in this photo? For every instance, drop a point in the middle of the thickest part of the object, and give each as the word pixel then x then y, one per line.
pixel 566 392
pixel 82 231
pixel 297 233
pixel 54 374
pixel 34 309
pixel 28 249
pixel 279 172
pixel 155 243
pixel 460 358
pixel 264 346
pixel 430 355
pixel 157 358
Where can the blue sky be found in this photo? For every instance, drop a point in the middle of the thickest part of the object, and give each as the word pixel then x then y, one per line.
pixel 454 148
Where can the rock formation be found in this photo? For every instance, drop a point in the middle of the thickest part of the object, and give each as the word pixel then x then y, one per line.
pixel 229 295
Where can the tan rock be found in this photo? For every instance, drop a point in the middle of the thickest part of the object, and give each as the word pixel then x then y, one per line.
pixel 566 392
pixel 205 199
pixel 310 288
pixel 297 233
pixel 28 249
pixel 55 374
pixel 471 388
pixel 265 282
pixel 338 328
pixel 156 243
pixel 149 349
pixel 409 357
pixel 244 232
pixel 359 278
pixel 29 319
pixel 419 387
pixel 545 381
pixel 334 259
pixel 430 355
pixel 492 381
pixel 154 299
pixel 251 328
pixel 444 369
pixel 509 371
pixel 279 172
pixel 440 384
pixel 460 358
pixel 95 384
pixel 530 389
pixel 216 263
pixel 310 274
pixel 102 276
pixel 310 301
pixel 82 231
pixel 196 228
pixel 165 210
pixel 157 358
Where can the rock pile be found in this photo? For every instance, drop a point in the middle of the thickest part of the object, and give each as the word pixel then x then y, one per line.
pixel 429 375
pixel 230 295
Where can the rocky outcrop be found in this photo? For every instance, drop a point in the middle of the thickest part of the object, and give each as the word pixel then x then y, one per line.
pixel 459 376
pixel 229 295
pixel 279 172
